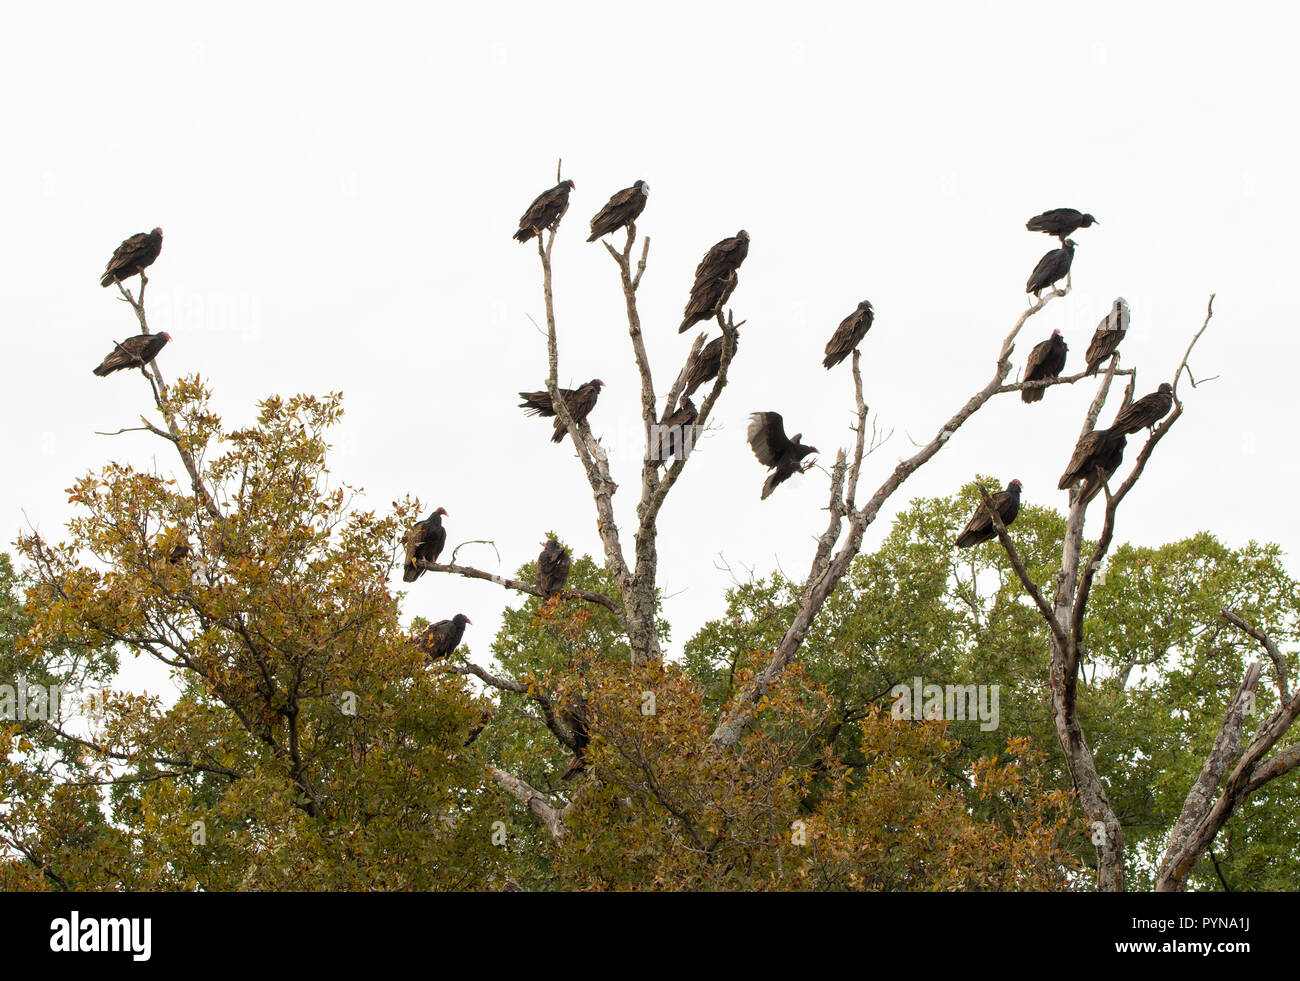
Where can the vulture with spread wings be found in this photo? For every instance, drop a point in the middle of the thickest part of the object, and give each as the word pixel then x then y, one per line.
pixel 580 400
pixel 776 451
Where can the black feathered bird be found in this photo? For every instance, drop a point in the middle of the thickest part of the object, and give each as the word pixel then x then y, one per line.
pixel 774 450
pixel 424 542
pixel 1060 222
pixel 547 208
pixel 552 569
pixel 1146 411
pixel 849 334
pixel 133 256
pixel 707 364
pixel 676 434
pixel 577 716
pixel 980 527
pixel 622 209
pixel 1045 361
pixel 1097 455
pixel 1106 338
pixel 439 640
pixel 715 279
pixel 580 400
pixel 134 352
pixel 1052 267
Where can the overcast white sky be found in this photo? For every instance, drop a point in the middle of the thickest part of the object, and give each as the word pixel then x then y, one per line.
pixel 338 187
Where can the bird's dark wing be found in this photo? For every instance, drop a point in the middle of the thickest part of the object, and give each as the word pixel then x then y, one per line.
pixel 767 437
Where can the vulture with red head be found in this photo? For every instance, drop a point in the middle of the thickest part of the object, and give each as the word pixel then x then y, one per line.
pixel 1051 268
pixel 133 256
pixel 715 279
pixel 707 363
pixel 848 334
pixel 1105 340
pixel 1146 411
pixel 580 400
pixel 443 637
pixel 1060 222
pixel 424 542
pixel 1045 362
pixel 980 527
pixel 621 210
pixel 1097 455
pixel 552 569
pixel 134 352
pixel 776 451
pixel 547 208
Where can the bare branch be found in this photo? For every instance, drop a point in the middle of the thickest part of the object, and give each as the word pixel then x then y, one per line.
pixel 550 815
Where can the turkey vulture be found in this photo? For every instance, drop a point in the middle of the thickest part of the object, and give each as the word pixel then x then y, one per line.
pixel 443 637
pixel 707 298
pixel 849 334
pixel 1146 411
pixel 706 365
pixel 768 441
pixel 547 208
pixel 1045 361
pixel 552 569
pixel 622 209
pixel 676 432
pixel 133 256
pixel 1060 222
pixel 577 716
pixel 1097 455
pixel 1109 333
pixel 1052 267
pixel 134 352
pixel 980 527
pixel 180 553
pixel 423 544
pixel 483 719
pixel 715 278
pixel 580 400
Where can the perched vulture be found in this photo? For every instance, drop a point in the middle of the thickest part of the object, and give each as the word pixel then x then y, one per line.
pixel 706 366
pixel 715 279
pixel 1052 267
pixel 707 298
pixel 134 352
pixel 483 719
pixel 423 544
pixel 577 716
pixel 1060 222
pixel 1109 333
pixel 443 637
pixel 1097 455
pixel 133 256
pixel 580 400
pixel 552 568
pixel 1045 361
pixel 623 209
pixel 1146 411
pixel 849 334
pixel 546 209
pixel 980 527
pixel 774 450
pixel 677 431
pixel 179 554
